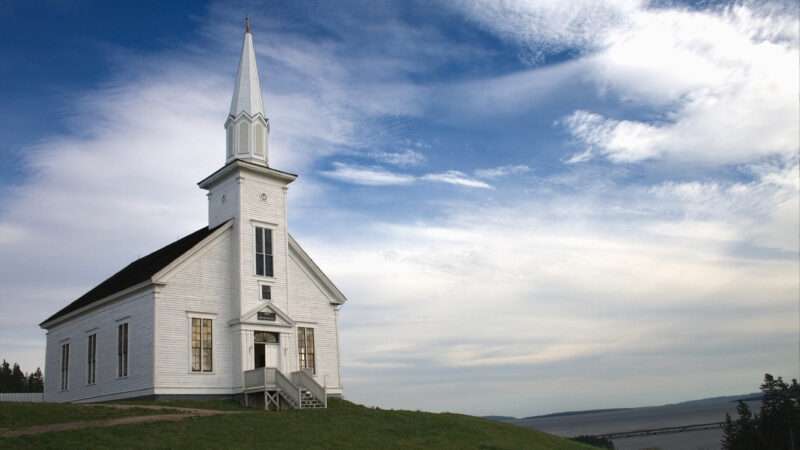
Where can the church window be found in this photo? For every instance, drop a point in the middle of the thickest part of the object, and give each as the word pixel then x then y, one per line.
pixel 264 252
pixel 64 366
pixel 266 292
pixel 305 348
pixel 91 363
pixel 122 350
pixel 202 345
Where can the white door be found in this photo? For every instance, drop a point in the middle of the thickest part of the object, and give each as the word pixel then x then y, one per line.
pixel 271 355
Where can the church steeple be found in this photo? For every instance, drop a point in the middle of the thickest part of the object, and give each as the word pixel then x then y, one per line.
pixel 247 128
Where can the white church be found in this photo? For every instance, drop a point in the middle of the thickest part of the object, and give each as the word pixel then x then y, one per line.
pixel 236 309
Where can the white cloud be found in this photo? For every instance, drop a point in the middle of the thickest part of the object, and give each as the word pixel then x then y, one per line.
pixel 501 171
pixel 379 176
pixel 502 95
pixel 457 178
pixel 368 176
pixel 620 141
pixel 94 200
pixel 402 158
pixel 549 25
pixel 763 212
pixel 721 83
pixel 728 80
pixel 538 286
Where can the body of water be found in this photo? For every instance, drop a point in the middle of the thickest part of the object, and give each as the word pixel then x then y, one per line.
pixel 634 419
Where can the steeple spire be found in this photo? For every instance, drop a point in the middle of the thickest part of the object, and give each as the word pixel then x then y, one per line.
pixel 247 126
pixel 247 93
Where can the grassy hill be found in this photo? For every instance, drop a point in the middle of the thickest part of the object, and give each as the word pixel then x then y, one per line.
pixel 343 425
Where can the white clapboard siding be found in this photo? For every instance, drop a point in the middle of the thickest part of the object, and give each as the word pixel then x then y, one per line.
pixel 202 286
pixel 310 307
pixel 137 310
pixel 270 213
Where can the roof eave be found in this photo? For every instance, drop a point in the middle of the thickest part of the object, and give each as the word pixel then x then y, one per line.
pixel 337 297
pixel 217 176
pixel 154 279
pixel 53 321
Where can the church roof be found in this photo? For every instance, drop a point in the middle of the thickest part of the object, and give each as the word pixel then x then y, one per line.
pixel 136 272
pixel 247 93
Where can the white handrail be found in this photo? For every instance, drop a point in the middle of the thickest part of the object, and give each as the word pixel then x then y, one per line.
pixel 253 378
pixel 288 388
pixel 266 377
pixel 305 380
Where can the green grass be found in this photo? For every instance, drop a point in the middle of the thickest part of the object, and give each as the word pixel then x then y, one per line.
pixel 20 415
pixel 221 405
pixel 342 426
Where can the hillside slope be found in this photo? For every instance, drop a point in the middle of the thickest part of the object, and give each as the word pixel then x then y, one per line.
pixel 342 426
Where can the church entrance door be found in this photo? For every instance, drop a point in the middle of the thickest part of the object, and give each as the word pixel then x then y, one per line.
pixel 267 349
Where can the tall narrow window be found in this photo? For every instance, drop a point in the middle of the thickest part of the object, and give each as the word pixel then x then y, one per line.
pixel 122 350
pixel 64 367
pixel 202 345
pixel 91 363
pixel 305 348
pixel 264 252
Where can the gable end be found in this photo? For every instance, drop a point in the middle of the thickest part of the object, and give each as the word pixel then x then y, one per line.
pixel 322 280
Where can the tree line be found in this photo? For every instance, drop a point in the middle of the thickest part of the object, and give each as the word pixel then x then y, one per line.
pixel 13 379
pixel 775 427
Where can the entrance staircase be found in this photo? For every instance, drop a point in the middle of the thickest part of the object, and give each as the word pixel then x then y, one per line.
pixel 301 391
pixel 307 400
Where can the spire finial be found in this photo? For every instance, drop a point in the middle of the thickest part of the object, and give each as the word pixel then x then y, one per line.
pixel 247 24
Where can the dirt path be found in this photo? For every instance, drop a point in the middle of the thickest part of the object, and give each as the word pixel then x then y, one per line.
pixel 184 413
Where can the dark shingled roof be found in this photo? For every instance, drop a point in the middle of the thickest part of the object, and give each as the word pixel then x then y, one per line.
pixel 137 272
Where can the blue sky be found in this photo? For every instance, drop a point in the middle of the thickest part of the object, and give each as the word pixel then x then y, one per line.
pixel 514 195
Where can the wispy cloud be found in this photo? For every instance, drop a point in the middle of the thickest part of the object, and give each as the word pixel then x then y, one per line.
pixel 744 81
pixel 368 176
pixel 597 276
pixel 379 176
pixel 402 158
pixel 550 25
pixel 501 171
pixel 457 178
pixel 743 78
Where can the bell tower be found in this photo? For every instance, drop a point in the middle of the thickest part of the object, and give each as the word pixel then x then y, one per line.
pixel 251 194
pixel 247 127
